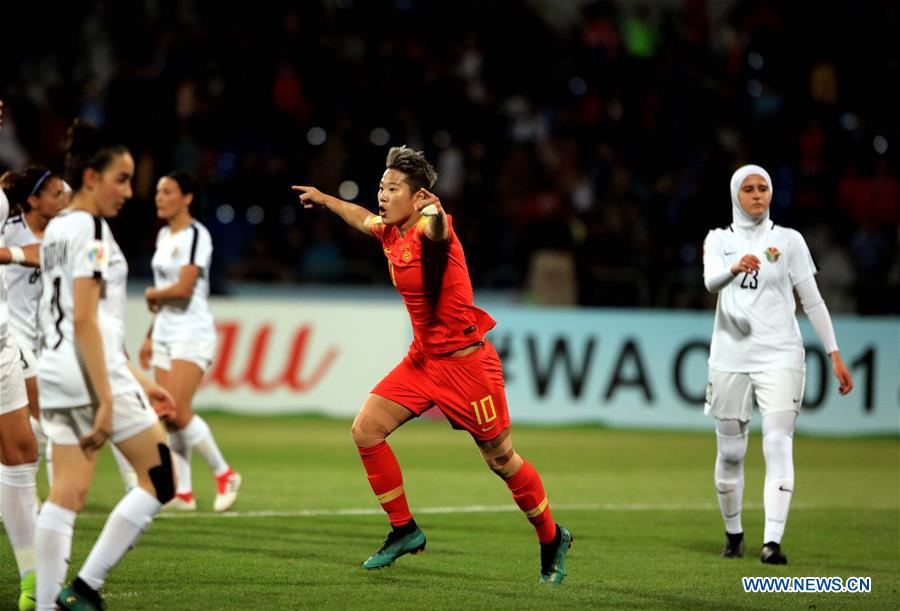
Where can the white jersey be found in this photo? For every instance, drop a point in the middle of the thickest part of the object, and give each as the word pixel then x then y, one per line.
pixel 4 309
pixel 23 285
pixel 189 246
pixel 78 245
pixel 756 326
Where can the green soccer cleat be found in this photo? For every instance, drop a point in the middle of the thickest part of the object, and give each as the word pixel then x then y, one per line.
pixel 553 557
pixel 78 596
pixel 397 544
pixel 27 595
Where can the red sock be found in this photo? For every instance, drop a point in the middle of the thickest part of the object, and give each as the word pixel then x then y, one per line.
pixel 384 475
pixel 528 493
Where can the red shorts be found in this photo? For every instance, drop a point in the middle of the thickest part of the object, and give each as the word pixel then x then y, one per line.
pixel 469 390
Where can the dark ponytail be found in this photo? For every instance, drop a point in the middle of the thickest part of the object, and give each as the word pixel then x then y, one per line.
pixel 19 186
pixel 88 147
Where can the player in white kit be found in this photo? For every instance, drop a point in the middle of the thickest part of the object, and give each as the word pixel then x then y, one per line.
pixel 18 447
pixel 181 342
pixel 757 352
pixel 36 195
pixel 89 392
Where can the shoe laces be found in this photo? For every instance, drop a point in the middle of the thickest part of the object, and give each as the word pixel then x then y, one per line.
pixel 392 538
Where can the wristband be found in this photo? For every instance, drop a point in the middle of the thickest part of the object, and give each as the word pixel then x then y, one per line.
pixel 16 254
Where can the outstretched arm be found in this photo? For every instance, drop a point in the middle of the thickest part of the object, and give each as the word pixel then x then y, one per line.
pixel 356 216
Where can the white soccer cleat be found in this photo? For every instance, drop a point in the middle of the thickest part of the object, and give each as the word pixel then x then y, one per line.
pixel 228 486
pixel 181 502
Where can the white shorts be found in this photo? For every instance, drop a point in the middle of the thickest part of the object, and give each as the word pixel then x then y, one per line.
pixel 730 396
pixel 29 362
pixel 201 353
pixel 12 382
pixel 132 413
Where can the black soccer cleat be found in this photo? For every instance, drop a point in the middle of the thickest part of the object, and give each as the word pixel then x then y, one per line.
pixel 772 554
pixel 553 557
pixel 79 596
pixel 734 545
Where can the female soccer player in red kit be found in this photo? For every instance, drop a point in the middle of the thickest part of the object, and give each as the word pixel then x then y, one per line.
pixel 450 363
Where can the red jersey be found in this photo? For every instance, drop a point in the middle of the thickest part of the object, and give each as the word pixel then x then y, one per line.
pixel 433 280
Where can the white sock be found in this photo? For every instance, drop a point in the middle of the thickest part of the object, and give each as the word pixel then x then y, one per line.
pixel 53 544
pixel 123 528
pixel 198 436
pixel 778 449
pixel 731 443
pixel 181 456
pixel 18 503
pixel 129 476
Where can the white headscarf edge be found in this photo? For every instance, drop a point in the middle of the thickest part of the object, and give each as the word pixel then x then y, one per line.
pixel 741 219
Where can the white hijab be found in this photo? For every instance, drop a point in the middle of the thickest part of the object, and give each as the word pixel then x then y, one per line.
pixel 745 224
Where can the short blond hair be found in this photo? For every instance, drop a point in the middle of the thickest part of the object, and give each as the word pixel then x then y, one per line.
pixel 419 173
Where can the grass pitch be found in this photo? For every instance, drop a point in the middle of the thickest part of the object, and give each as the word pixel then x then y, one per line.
pixel 641 506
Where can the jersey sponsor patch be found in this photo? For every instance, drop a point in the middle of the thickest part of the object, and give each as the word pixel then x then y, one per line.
pixel 97 256
pixel 772 254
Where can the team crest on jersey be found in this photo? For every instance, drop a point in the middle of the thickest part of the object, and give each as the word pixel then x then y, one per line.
pixel 772 254
pixel 405 252
pixel 175 252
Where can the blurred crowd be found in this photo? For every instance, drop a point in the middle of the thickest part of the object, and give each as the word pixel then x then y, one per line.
pixel 583 148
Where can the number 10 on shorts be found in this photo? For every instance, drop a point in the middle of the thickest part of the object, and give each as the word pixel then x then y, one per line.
pixel 484 410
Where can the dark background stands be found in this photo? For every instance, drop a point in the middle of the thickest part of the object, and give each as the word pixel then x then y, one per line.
pixel 584 148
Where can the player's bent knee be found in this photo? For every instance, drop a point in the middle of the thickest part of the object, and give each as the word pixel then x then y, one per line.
pixel 72 498
pixel 162 476
pixel 505 462
pixel 367 431
pixel 29 449
pixel 732 458
pixel 732 450
pixel 21 454
pixel 182 419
